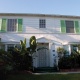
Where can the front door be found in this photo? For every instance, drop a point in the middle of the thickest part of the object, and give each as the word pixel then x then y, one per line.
pixel 43 55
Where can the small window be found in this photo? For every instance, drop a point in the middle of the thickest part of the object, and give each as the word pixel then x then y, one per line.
pixel 10 47
pixel 42 23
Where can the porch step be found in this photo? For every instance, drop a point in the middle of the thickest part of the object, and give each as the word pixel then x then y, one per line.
pixel 45 69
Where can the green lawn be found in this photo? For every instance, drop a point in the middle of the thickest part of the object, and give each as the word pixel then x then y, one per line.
pixel 45 77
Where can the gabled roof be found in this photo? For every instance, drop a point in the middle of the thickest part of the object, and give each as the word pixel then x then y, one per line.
pixel 61 39
pixel 48 40
pixel 43 39
pixel 39 15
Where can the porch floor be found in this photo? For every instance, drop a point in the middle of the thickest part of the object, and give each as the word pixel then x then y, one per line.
pixel 45 69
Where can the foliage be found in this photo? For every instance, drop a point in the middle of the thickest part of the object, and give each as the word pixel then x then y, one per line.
pixel 5 64
pixel 17 58
pixel 21 62
pixel 22 58
pixel 32 44
pixel 69 62
pixel 32 48
pixel 5 57
pixel 23 46
pixel 61 51
pixel 74 53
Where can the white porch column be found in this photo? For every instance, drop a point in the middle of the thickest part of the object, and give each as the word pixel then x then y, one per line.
pixel 35 60
pixel 69 49
pixel 5 47
pixel 52 50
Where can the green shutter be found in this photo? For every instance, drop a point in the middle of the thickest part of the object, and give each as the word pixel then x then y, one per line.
pixel 0 24
pixel 63 26
pixel 3 25
pixel 76 26
pixel 20 22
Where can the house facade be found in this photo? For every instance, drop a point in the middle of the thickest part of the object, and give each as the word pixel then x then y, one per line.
pixel 51 32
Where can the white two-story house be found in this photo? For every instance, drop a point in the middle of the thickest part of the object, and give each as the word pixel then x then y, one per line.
pixel 51 32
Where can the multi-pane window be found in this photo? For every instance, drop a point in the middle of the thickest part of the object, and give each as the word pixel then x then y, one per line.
pixel 69 26
pixel 11 24
pixel 42 23
pixel 10 47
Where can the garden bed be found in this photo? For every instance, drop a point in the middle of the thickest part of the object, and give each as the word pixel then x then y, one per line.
pixel 70 70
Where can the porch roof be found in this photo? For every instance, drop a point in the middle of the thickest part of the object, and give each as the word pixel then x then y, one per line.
pixel 55 38
pixel 61 38
pixel 68 38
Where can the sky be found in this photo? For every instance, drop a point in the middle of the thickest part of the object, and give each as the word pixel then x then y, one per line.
pixel 60 7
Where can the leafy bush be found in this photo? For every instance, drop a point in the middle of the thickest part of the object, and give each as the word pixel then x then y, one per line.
pixel 61 52
pixel 69 62
pixel 17 58
pixel 5 61
pixel 21 62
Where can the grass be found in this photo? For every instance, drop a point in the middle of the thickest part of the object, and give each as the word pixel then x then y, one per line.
pixel 44 77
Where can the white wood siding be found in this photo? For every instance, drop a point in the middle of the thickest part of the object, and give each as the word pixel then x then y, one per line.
pixel 31 24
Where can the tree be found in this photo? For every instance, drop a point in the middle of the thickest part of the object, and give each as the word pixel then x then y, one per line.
pixel 32 44
pixel 22 55
pixel 32 47
pixel 19 58
pixel 23 49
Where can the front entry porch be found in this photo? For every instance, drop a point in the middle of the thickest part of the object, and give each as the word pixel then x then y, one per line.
pixel 43 54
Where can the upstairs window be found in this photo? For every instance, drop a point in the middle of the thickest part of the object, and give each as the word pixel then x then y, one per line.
pixel 11 24
pixel 42 23
pixel 70 26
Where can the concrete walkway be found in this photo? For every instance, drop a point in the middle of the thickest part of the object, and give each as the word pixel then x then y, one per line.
pixel 56 73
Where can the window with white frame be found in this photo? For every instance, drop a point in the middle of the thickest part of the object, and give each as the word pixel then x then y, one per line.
pixel 11 24
pixel 10 47
pixel 42 23
pixel 69 26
